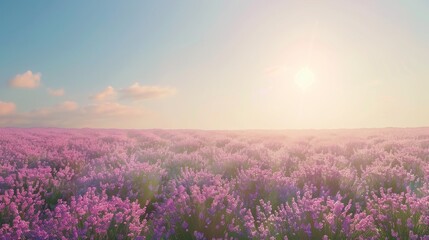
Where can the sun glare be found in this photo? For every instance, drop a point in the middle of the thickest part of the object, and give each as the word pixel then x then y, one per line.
pixel 304 78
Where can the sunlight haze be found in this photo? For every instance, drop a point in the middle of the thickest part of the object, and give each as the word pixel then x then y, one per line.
pixel 214 64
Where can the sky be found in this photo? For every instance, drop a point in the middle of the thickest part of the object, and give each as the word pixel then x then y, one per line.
pixel 214 64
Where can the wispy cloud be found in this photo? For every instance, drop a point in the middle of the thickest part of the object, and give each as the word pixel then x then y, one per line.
pixel 105 111
pixel 56 92
pixel 112 109
pixel 26 80
pixel 7 108
pixel 60 115
pixel 70 114
pixel 107 94
pixel 67 106
pixel 140 92
pixel 134 92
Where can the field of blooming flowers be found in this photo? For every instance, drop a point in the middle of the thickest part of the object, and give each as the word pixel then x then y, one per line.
pixel 189 184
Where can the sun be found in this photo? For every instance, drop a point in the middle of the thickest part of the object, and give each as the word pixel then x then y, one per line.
pixel 304 78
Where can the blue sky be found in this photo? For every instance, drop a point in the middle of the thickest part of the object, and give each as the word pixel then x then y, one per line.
pixel 214 64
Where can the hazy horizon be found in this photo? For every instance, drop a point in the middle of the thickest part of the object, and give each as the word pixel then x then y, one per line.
pixel 214 65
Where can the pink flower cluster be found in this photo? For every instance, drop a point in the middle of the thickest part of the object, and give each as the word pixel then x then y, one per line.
pixel 190 184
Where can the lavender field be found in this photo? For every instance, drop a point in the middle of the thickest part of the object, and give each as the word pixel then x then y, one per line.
pixel 189 184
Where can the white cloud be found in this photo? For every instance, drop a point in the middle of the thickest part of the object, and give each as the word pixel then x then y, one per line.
pixel 56 92
pixel 26 80
pixel 106 94
pixel 7 108
pixel 139 92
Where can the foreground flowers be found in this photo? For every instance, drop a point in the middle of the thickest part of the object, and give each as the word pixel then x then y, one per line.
pixel 155 184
